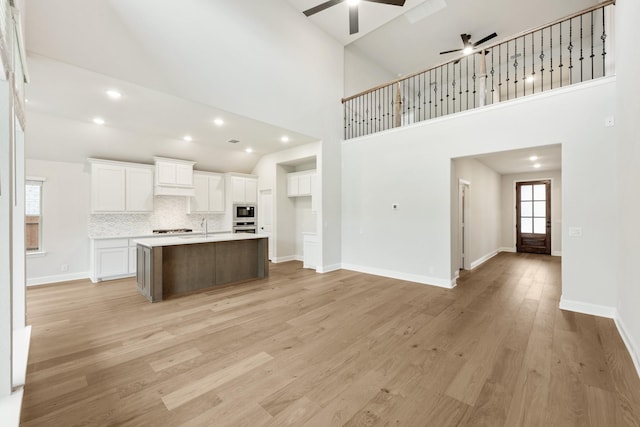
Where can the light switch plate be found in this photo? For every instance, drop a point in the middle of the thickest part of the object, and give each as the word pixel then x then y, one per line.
pixel 575 231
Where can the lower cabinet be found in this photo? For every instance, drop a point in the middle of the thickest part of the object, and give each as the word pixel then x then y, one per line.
pixel 311 249
pixel 112 259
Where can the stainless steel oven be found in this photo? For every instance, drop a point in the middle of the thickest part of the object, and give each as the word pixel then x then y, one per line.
pixel 244 213
pixel 245 227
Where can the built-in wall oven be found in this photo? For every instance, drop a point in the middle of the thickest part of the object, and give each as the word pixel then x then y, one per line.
pixel 244 218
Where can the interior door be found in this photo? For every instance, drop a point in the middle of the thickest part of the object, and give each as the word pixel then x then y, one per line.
pixel 533 217
pixel 265 218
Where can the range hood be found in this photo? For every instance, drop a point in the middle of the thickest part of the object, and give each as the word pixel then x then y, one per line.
pixel 173 177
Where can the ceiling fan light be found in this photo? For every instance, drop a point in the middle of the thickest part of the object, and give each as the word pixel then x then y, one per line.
pixel 353 2
pixel 467 50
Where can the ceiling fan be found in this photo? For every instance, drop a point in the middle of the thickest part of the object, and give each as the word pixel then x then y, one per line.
pixel 468 46
pixel 353 9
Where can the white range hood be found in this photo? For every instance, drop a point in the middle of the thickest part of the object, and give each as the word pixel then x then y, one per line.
pixel 173 177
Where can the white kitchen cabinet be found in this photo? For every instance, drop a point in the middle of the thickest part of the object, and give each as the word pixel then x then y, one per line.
pixel 300 183
pixel 119 187
pixel 133 259
pixel 209 193
pixel 244 189
pixel 311 249
pixel 110 258
pixel 173 173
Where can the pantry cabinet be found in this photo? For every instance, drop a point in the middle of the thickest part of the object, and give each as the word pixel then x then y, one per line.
pixel 244 189
pixel 300 183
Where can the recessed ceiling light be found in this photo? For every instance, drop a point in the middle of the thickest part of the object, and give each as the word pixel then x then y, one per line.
pixel 26 100
pixel 98 120
pixel 537 165
pixel 249 150
pixel 218 122
pixel 353 2
pixel 530 79
pixel 187 138
pixel 114 94
pixel 285 138
pixel 467 50
pixel 533 158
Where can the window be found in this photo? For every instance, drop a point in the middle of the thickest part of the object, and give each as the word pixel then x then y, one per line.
pixel 33 215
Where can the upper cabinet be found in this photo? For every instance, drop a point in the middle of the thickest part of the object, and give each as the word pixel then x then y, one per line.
pixel 209 193
pixel 244 189
pixel 118 187
pixel 300 183
pixel 173 177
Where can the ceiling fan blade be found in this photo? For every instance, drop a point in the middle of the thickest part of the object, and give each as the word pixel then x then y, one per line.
pixel 353 20
pixel 321 7
pixel 486 39
pixel 450 51
pixel 389 2
pixel 465 39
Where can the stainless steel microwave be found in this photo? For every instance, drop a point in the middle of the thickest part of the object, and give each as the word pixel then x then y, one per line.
pixel 241 212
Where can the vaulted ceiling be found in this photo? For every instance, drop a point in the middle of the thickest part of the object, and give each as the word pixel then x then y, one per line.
pixel 164 56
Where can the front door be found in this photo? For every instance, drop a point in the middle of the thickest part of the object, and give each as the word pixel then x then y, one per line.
pixel 533 217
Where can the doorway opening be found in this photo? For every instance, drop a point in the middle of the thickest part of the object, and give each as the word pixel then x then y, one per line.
pixel 463 221
pixel 533 217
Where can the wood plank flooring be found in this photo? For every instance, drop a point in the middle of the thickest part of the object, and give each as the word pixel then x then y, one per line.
pixel 343 348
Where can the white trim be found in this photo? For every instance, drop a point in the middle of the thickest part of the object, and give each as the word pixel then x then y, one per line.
pixel 587 308
pixel 632 347
pixel 45 280
pixel 506 249
pixel 483 259
pixel 36 254
pixel 277 260
pixel 329 268
pixel 10 407
pixel 425 280
pixel 35 178
pixel 556 253
pixel 21 341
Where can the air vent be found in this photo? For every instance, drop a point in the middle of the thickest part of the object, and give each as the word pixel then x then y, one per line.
pixel 233 141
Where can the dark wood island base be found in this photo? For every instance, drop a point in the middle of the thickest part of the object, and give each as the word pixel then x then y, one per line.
pixel 174 269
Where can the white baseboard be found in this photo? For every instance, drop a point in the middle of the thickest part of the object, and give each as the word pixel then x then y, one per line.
pixel 434 281
pixel 329 268
pixel 588 308
pixel 483 259
pixel 277 260
pixel 632 346
pixel 45 280
pixel 506 249
pixel 10 407
pixel 556 253
pixel 22 340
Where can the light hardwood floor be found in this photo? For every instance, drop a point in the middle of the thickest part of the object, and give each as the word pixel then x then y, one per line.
pixel 341 348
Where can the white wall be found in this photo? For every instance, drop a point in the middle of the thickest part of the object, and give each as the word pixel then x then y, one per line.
pixel 272 172
pixel 66 202
pixel 412 166
pixel 361 73
pixel 508 208
pixel 628 126
pixel 484 214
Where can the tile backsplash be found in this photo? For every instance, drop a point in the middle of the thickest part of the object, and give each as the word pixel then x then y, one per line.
pixel 169 212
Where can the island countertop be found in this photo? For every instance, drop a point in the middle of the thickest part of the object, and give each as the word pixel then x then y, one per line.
pixel 191 239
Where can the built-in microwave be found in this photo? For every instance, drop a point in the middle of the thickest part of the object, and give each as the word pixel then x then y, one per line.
pixel 244 212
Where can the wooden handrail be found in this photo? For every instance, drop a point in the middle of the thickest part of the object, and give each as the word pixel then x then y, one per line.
pixel 491 46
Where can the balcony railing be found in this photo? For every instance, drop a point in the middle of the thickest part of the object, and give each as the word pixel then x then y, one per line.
pixel 570 50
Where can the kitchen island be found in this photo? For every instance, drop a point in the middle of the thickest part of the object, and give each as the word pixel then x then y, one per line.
pixel 176 265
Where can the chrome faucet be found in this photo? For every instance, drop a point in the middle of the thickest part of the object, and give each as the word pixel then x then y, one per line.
pixel 203 224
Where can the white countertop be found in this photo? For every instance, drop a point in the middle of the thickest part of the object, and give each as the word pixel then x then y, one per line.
pixel 190 239
pixel 156 235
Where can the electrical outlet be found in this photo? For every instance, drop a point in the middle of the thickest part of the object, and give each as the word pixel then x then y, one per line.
pixel 609 121
pixel 64 267
pixel 575 231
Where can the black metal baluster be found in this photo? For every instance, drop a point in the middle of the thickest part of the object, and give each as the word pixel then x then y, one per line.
pixel 441 92
pixel 524 65
pixel 561 64
pixel 581 52
pixel 430 101
pixel 570 49
pixel 603 37
pixel 592 54
pixel 460 86
pixel 507 79
pixel 500 70
pixel 515 68
pixel 541 60
pixel 474 81
pixel 533 64
pixel 493 75
pixel 447 65
pixel 467 91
